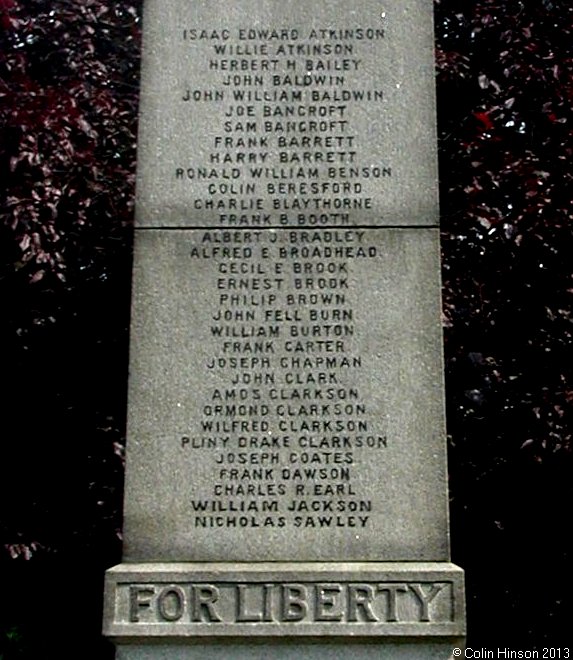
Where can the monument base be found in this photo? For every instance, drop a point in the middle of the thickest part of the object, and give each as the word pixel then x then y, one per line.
pixel 212 610
pixel 341 649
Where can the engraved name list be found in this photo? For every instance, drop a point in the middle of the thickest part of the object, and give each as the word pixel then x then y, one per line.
pixel 284 424
pixel 285 151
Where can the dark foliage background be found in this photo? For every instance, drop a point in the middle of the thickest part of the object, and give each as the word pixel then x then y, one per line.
pixel 68 99
pixel 505 89
pixel 68 103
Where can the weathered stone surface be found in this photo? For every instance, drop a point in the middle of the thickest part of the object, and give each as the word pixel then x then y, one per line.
pixel 371 98
pixel 326 442
pixel 179 601
pixel 286 440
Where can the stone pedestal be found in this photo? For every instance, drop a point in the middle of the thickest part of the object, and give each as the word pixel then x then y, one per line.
pixel 286 474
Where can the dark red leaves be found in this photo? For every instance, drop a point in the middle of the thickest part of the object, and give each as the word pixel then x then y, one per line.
pixel 506 126
pixel 484 119
pixel 67 107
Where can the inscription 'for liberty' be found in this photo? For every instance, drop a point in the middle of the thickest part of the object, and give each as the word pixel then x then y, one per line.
pixel 389 602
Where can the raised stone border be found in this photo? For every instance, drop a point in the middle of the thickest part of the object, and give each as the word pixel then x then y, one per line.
pixel 174 602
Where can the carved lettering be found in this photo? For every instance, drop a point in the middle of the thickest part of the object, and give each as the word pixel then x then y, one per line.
pixel 287 602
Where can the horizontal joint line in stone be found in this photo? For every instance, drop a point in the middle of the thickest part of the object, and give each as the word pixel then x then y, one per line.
pixel 212 227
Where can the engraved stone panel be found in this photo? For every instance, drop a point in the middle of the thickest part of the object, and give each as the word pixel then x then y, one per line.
pixel 285 112
pixel 286 397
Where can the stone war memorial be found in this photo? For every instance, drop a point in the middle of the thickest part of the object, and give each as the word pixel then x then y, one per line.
pixel 286 484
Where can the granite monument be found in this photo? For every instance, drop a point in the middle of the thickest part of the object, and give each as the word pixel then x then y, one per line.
pixel 286 466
